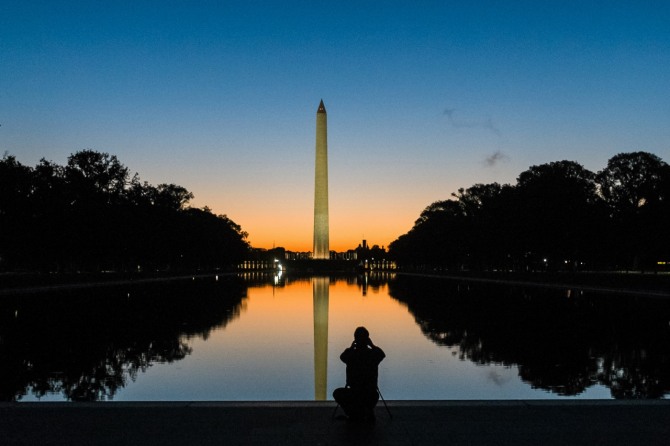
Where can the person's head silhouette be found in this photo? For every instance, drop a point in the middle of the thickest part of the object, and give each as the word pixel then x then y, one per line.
pixel 361 336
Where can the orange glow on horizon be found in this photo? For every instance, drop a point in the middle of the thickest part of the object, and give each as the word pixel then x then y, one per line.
pixel 270 225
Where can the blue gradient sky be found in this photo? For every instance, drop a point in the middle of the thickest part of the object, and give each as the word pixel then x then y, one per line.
pixel 423 97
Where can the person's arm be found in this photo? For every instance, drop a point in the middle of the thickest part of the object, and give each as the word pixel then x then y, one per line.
pixel 378 352
pixel 346 354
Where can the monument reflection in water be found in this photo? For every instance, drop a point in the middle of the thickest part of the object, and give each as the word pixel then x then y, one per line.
pixel 259 339
pixel 320 286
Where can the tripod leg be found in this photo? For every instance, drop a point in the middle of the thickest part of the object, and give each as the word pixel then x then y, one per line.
pixel 384 401
pixel 332 417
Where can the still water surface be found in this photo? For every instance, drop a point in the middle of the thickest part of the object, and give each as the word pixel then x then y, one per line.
pixel 269 338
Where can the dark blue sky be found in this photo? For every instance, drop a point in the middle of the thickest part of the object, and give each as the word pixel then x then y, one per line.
pixel 423 97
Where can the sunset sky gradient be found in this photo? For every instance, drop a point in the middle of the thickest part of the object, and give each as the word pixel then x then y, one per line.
pixel 423 97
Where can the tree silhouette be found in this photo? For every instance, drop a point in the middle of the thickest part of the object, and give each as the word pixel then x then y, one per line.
pixel 558 216
pixel 635 187
pixel 557 211
pixel 91 215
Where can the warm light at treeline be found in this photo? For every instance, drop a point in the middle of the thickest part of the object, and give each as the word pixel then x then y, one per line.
pixel 281 214
pixel 291 226
pixel 303 247
pixel 300 243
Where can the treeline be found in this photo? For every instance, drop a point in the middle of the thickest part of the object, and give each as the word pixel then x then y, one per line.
pixel 558 216
pixel 91 215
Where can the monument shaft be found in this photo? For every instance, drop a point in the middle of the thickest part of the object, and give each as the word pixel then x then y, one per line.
pixel 321 236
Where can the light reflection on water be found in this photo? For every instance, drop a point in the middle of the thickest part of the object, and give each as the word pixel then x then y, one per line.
pixel 282 341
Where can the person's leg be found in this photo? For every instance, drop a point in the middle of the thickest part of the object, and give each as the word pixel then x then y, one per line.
pixel 344 397
pixel 340 395
pixel 369 400
pixel 351 402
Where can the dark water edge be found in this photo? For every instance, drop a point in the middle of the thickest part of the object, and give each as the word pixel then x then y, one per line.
pixel 28 283
pixel 638 283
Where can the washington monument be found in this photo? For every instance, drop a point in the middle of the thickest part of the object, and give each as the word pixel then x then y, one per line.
pixel 321 247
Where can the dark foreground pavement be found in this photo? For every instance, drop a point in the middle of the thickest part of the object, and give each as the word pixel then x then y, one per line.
pixel 311 423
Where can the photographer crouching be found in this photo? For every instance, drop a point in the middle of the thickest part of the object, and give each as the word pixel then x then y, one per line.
pixel 360 395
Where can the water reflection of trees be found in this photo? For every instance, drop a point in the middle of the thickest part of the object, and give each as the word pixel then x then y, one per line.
pixel 561 341
pixel 88 344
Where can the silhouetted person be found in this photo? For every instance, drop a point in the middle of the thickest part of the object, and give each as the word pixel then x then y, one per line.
pixel 359 398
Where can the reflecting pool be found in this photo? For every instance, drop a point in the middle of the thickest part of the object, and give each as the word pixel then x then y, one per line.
pixel 279 338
